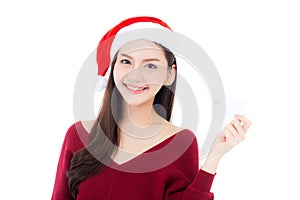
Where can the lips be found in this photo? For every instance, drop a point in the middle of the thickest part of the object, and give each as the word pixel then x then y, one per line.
pixel 134 88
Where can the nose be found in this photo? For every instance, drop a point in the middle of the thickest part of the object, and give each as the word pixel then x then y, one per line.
pixel 135 74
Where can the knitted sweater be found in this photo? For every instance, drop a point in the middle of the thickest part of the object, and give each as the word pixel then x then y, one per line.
pixel 168 171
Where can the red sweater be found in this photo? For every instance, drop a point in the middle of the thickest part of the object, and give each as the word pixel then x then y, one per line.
pixel 180 179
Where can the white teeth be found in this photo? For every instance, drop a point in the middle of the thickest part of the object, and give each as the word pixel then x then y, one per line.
pixel 134 88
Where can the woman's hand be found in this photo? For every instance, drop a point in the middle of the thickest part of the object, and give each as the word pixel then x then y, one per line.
pixel 233 133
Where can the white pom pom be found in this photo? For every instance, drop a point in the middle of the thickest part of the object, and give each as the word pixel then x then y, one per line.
pixel 101 83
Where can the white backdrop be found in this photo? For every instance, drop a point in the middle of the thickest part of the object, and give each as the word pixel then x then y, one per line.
pixel 255 46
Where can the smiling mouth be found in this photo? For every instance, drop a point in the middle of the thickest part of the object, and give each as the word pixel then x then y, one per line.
pixel 135 88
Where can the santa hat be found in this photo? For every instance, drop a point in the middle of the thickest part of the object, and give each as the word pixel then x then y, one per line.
pixel 114 39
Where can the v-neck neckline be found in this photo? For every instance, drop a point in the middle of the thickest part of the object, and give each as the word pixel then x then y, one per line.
pixel 162 143
pixel 155 147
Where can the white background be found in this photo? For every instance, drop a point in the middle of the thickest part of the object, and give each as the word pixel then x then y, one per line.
pixel 254 44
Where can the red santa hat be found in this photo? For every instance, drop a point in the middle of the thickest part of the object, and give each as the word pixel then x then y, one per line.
pixel 112 41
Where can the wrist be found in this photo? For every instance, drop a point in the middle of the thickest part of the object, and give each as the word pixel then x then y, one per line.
pixel 215 155
pixel 211 163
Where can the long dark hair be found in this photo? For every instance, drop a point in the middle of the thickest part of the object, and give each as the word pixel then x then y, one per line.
pixel 90 160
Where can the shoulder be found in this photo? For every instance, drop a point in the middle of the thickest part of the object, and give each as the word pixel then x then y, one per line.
pixel 184 147
pixel 88 124
pixel 188 161
pixel 185 138
pixel 182 138
pixel 180 131
pixel 76 137
pixel 171 129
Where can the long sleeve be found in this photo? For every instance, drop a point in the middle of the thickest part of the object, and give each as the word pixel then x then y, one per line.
pixel 74 140
pixel 61 190
pixel 200 187
pixel 190 183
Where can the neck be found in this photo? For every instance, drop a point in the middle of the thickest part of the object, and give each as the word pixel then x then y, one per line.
pixel 137 118
pixel 138 115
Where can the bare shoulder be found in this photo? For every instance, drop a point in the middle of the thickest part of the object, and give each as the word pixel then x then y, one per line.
pixel 172 129
pixel 88 124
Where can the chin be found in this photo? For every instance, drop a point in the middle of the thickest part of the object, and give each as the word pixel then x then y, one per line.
pixel 133 101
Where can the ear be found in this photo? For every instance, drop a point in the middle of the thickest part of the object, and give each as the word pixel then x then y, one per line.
pixel 171 73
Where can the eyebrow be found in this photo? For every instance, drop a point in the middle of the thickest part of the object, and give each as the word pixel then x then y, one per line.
pixel 145 60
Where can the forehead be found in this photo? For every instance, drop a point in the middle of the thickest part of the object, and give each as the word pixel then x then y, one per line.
pixel 140 45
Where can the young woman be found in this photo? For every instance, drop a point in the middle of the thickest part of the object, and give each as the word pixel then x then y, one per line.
pixel 132 150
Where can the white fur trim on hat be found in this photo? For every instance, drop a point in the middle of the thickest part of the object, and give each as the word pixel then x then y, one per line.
pixel 101 83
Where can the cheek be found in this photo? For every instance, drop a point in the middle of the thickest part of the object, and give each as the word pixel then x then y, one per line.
pixel 154 88
pixel 157 78
pixel 119 75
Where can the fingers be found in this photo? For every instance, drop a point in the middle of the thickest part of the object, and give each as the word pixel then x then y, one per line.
pixel 246 122
pixel 230 135
pixel 240 129
pixel 235 131
pixel 238 126
pixel 232 130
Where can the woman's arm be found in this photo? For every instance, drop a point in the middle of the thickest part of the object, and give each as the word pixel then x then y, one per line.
pixel 232 134
pixel 71 143
pixel 186 181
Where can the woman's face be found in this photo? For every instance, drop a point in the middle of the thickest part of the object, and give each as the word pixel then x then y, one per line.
pixel 140 71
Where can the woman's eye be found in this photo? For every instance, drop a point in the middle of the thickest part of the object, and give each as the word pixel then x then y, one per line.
pixel 150 66
pixel 125 61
